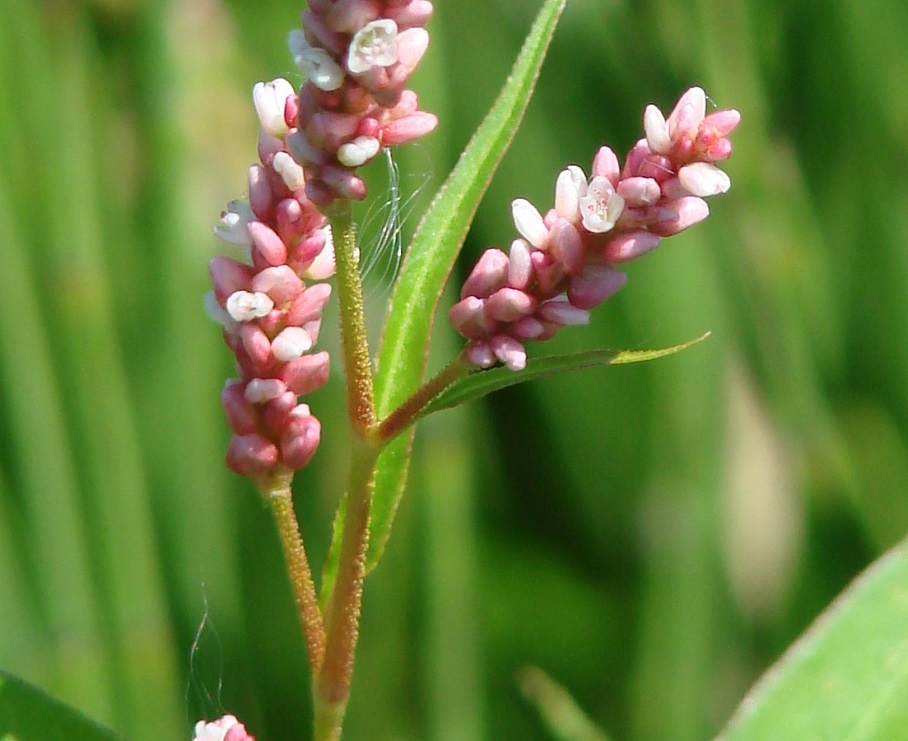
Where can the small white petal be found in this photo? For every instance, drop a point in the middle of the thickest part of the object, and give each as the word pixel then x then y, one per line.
pixel 270 99
pixel 601 206
pixel 703 179
pixel 217 313
pixel 656 130
pixel 233 223
pixel 316 64
pixel 289 170
pixel 323 266
pixel 529 223
pixel 374 45
pixel 243 306
pixel 359 151
pixel 567 194
pixel 291 343
pixel 263 390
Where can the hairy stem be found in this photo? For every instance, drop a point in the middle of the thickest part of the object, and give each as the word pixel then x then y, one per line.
pixel 279 497
pixel 355 344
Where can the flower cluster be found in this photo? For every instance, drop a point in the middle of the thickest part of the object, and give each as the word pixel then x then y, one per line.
pixel 227 728
pixel 564 263
pixel 357 56
pixel 270 315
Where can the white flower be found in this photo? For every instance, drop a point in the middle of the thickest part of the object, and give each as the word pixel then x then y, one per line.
pixel 601 206
pixel 374 45
pixel 214 731
pixel 316 64
pixel 233 223
pixel 270 98
pixel 244 306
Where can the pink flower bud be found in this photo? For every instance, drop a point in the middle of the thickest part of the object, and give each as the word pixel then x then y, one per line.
pixel 306 374
pixel 260 198
pixel 267 245
pixel 594 285
pixel 566 246
pixel 703 179
pixel 263 390
pixel 228 276
pixel 409 128
pixel 677 215
pixel 469 318
pixel 562 312
pixel 489 274
pixel 509 305
pixel 520 265
pixel 637 191
pixel 509 351
pixel 630 245
pixel 300 438
pixel 250 455
pixel 605 165
pixel 242 416
pixel 280 283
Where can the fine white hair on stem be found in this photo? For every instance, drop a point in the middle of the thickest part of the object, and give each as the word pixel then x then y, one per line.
pixel 382 229
pixel 196 683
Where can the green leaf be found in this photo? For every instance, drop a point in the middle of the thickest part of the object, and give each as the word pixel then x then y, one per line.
pixel 28 714
pixel 847 676
pixel 430 258
pixel 485 382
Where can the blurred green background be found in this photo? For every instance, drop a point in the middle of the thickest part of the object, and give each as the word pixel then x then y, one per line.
pixel 651 536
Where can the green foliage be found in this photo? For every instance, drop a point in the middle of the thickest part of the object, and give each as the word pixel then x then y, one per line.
pixel 847 677
pixel 652 537
pixel 27 714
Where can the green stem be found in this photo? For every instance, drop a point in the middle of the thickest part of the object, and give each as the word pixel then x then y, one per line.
pixel 409 412
pixel 332 685
pixel 277 491
pixel 355 344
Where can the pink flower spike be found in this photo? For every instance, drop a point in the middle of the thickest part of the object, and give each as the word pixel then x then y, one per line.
pixel 529 223
pixel 509 351
pixel 630 245
pixel 703 179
